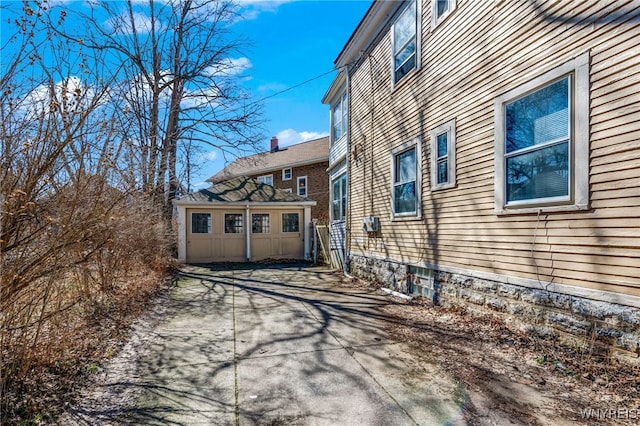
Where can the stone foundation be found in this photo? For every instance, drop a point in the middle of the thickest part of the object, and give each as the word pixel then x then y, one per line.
pixel 579 320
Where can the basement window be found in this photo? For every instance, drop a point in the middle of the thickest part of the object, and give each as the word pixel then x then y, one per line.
pixel 421 282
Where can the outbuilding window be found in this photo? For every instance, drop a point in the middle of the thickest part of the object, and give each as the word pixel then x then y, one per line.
pixel 233 223
pixel 542 141
pixel 290 222
pixel 260 223
pixel 200 223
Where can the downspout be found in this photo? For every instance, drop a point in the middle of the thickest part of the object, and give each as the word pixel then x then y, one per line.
pixel 347 217
pixel 248 235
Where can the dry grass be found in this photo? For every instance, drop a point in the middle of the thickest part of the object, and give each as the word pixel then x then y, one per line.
pixel 73 277
pixel 486 354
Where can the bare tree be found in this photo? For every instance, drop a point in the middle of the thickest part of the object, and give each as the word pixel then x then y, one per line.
pixel 70 234
pixel 179 81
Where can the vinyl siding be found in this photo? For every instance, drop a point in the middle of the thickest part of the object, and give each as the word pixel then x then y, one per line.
pixel 481 51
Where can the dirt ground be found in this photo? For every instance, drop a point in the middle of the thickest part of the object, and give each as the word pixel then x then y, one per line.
pixel 512 377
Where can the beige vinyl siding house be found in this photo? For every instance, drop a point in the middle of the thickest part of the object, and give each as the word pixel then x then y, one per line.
pixel 503 161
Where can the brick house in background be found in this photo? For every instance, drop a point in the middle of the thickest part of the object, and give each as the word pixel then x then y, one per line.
pixel 300 169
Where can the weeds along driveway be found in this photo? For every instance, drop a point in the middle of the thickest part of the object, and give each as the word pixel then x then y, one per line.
pixel 288 344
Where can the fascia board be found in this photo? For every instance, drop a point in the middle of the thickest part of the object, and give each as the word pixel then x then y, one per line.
pixel 376 17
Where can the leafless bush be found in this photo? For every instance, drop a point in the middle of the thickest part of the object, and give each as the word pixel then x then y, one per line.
pixel 80 246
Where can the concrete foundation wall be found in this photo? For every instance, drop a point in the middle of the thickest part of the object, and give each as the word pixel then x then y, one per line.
pixel 577 319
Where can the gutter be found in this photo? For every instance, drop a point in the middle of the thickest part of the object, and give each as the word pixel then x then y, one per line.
pixel 248 234
pixel 347 214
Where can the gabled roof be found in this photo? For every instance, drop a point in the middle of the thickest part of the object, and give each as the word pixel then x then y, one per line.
pixel 242 189
pixel 315 151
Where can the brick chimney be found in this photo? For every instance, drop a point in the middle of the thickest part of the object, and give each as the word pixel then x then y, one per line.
pixel 274 144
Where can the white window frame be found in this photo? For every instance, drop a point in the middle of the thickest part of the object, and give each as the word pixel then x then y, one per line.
pixel 417 144
pixel 578 198
pixel 450 129
pixel 344 119
pixel 339 178
pixel 262 179
pixel 289 190
pixel 306 186
pixel 418 37
pixel 284 173
pixel 435 19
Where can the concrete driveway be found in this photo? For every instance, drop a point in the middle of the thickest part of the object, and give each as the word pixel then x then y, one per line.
pixel 283 345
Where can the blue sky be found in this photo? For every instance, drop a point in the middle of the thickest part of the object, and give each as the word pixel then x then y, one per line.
pixel 290 42
pixel 295 41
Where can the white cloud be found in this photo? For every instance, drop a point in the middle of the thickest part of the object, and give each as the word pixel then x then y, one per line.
pixel 122 23
pixel 201 185
pixel 68 95
pixel 251 9
pixel 229 67
pixel 209 156
pixel 288 137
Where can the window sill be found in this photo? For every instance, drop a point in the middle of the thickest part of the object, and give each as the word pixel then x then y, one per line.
pixel 441 187
pixel 408 218
pixel 396 85
pixel 547 209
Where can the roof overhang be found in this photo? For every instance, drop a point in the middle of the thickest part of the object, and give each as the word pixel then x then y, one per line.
pixel 240 204
pixel 376 17
pixel 270 169
pixel 337 86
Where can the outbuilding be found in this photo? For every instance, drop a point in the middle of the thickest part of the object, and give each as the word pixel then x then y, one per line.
pixel 241 220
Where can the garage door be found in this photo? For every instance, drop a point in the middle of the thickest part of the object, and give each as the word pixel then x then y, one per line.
pixel 219 236
pixel 277 234
pixel 215 236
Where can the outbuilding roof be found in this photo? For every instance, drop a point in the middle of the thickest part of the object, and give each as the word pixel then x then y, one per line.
pixel 242 189
pixel 304 153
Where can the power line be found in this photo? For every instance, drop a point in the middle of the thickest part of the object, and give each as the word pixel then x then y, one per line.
pixel 292 87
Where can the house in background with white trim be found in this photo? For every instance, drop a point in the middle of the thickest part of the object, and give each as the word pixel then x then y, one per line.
pixel 493 162
pixel 300 169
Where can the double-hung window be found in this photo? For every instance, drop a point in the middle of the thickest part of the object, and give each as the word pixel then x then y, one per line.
pixel 542 141
pixel 339 197
pixel 339 117
pixel 443 156
pixel 302 186
pixel 405 165
pixel 286 174
pixel 405 42
pixel 268 179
